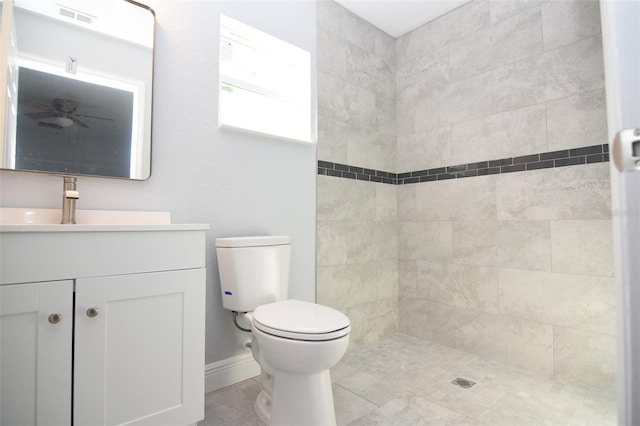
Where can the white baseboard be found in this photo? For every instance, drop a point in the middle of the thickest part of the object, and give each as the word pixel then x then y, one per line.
pixel 229 371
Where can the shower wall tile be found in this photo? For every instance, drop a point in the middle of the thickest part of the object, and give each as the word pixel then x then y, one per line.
pixel 332 58
pixel 561 193
pixel 407 278
pixel 516 78
pixel 355 242
pixel 453 103
pixel 367 70
pixel 372 321
pixel 357 248
pixel 424 72
pixel 356 87
pixel 354 104
pixel 513 133
pixel 476 243
pixel 370 241
pixel 577 121
pixel 465 20
pixel 331 243
pixel 502 9
pixel 405 119
pixel 555 74
pixel 515 38
pixel 343 199
pixel 387 203
pixel 387 283
pixel 582 247
pixel 369 146
pixel 568 21
pixel 357 270
pixel 567 300
pixel 585 358
pixel 427 320
pixel 601 323
pixel 523 244
pixel 523 343
pixel 511 244
pixel 334 135
pixel 447 200
pixel 505 266
pixel 425 240
pixel 464 286
pixel 423 150
pixel 481 333
pixel 407 203
pixel 338 20
pixel 348 285
pixel 529 345
pixel 385 48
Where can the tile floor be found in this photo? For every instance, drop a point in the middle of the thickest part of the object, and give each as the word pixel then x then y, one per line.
pixel 402 380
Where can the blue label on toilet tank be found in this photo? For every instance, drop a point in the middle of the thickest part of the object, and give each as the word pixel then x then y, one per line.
pixel 227 293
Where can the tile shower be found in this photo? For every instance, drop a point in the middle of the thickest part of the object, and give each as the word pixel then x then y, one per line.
pixel 463 188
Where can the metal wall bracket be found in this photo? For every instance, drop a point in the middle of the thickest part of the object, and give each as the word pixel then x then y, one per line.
pixel 626 150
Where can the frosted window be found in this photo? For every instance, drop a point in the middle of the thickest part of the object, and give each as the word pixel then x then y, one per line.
pixel 264 83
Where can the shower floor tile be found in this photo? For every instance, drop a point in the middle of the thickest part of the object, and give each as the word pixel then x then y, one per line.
pixel 402 380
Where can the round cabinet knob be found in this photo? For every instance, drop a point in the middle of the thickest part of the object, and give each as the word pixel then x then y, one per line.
pixel 55 318
pixel 92 312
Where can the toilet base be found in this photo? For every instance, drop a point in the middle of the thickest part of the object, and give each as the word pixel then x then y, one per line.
pixel 298 399
pixel 263 407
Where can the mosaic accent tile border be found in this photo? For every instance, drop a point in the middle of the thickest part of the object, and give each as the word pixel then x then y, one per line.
pixel 544 160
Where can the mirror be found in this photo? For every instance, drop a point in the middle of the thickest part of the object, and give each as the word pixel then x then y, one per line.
pixel 79 79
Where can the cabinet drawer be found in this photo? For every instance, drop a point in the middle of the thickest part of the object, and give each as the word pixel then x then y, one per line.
pixel 40 256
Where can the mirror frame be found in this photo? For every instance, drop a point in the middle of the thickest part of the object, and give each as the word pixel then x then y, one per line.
pixel 9 59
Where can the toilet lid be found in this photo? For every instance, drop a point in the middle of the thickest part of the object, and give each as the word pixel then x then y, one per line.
pixel 295 319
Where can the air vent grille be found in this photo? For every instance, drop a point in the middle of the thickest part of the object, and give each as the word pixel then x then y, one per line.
pixel 78 16
pixel 68 13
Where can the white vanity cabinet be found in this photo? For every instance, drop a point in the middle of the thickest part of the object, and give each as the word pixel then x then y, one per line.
pixel 35 355
pixel 102 324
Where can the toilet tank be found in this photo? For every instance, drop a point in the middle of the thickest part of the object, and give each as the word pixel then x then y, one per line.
pixel 253 271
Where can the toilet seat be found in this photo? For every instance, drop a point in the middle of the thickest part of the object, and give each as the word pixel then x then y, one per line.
pixel 298 320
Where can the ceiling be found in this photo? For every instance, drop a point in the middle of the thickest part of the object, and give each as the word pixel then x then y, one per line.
pixel 398 17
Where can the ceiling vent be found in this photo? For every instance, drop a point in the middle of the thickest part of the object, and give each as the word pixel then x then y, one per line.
pixel 79 16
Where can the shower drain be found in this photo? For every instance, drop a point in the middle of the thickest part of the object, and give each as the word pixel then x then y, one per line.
pixel 463 383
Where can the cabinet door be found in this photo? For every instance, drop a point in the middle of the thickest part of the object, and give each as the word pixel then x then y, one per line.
pixel 35 353
pixel 139 349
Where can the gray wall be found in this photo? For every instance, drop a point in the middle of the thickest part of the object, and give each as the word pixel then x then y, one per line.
pixel 513 266
pixel 238 183
pixel 357 221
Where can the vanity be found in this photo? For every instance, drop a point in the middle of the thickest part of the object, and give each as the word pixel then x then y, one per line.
pixel 102 324
pixel 102 318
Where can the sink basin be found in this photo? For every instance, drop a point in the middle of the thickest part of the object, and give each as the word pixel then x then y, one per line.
pixel 26 216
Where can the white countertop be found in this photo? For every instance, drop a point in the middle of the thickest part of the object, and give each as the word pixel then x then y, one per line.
pixel 24 219
pixel 102 228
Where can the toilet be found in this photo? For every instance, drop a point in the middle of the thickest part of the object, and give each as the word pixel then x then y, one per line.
pixel 295 342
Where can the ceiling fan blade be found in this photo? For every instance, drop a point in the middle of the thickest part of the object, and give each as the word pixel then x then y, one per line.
pixel 92 116
pixel 78 122
pixel 34 104
pixel 41 115
pixel 65 105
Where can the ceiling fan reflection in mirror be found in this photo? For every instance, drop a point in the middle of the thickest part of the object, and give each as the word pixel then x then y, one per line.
pixel 62 113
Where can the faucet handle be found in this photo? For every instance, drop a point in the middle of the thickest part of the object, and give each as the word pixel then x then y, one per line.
pixel 71 194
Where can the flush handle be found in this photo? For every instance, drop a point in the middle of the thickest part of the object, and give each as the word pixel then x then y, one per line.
pixel 92 312
pixel 626 150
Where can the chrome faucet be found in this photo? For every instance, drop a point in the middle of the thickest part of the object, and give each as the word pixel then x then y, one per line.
pixel 69 197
